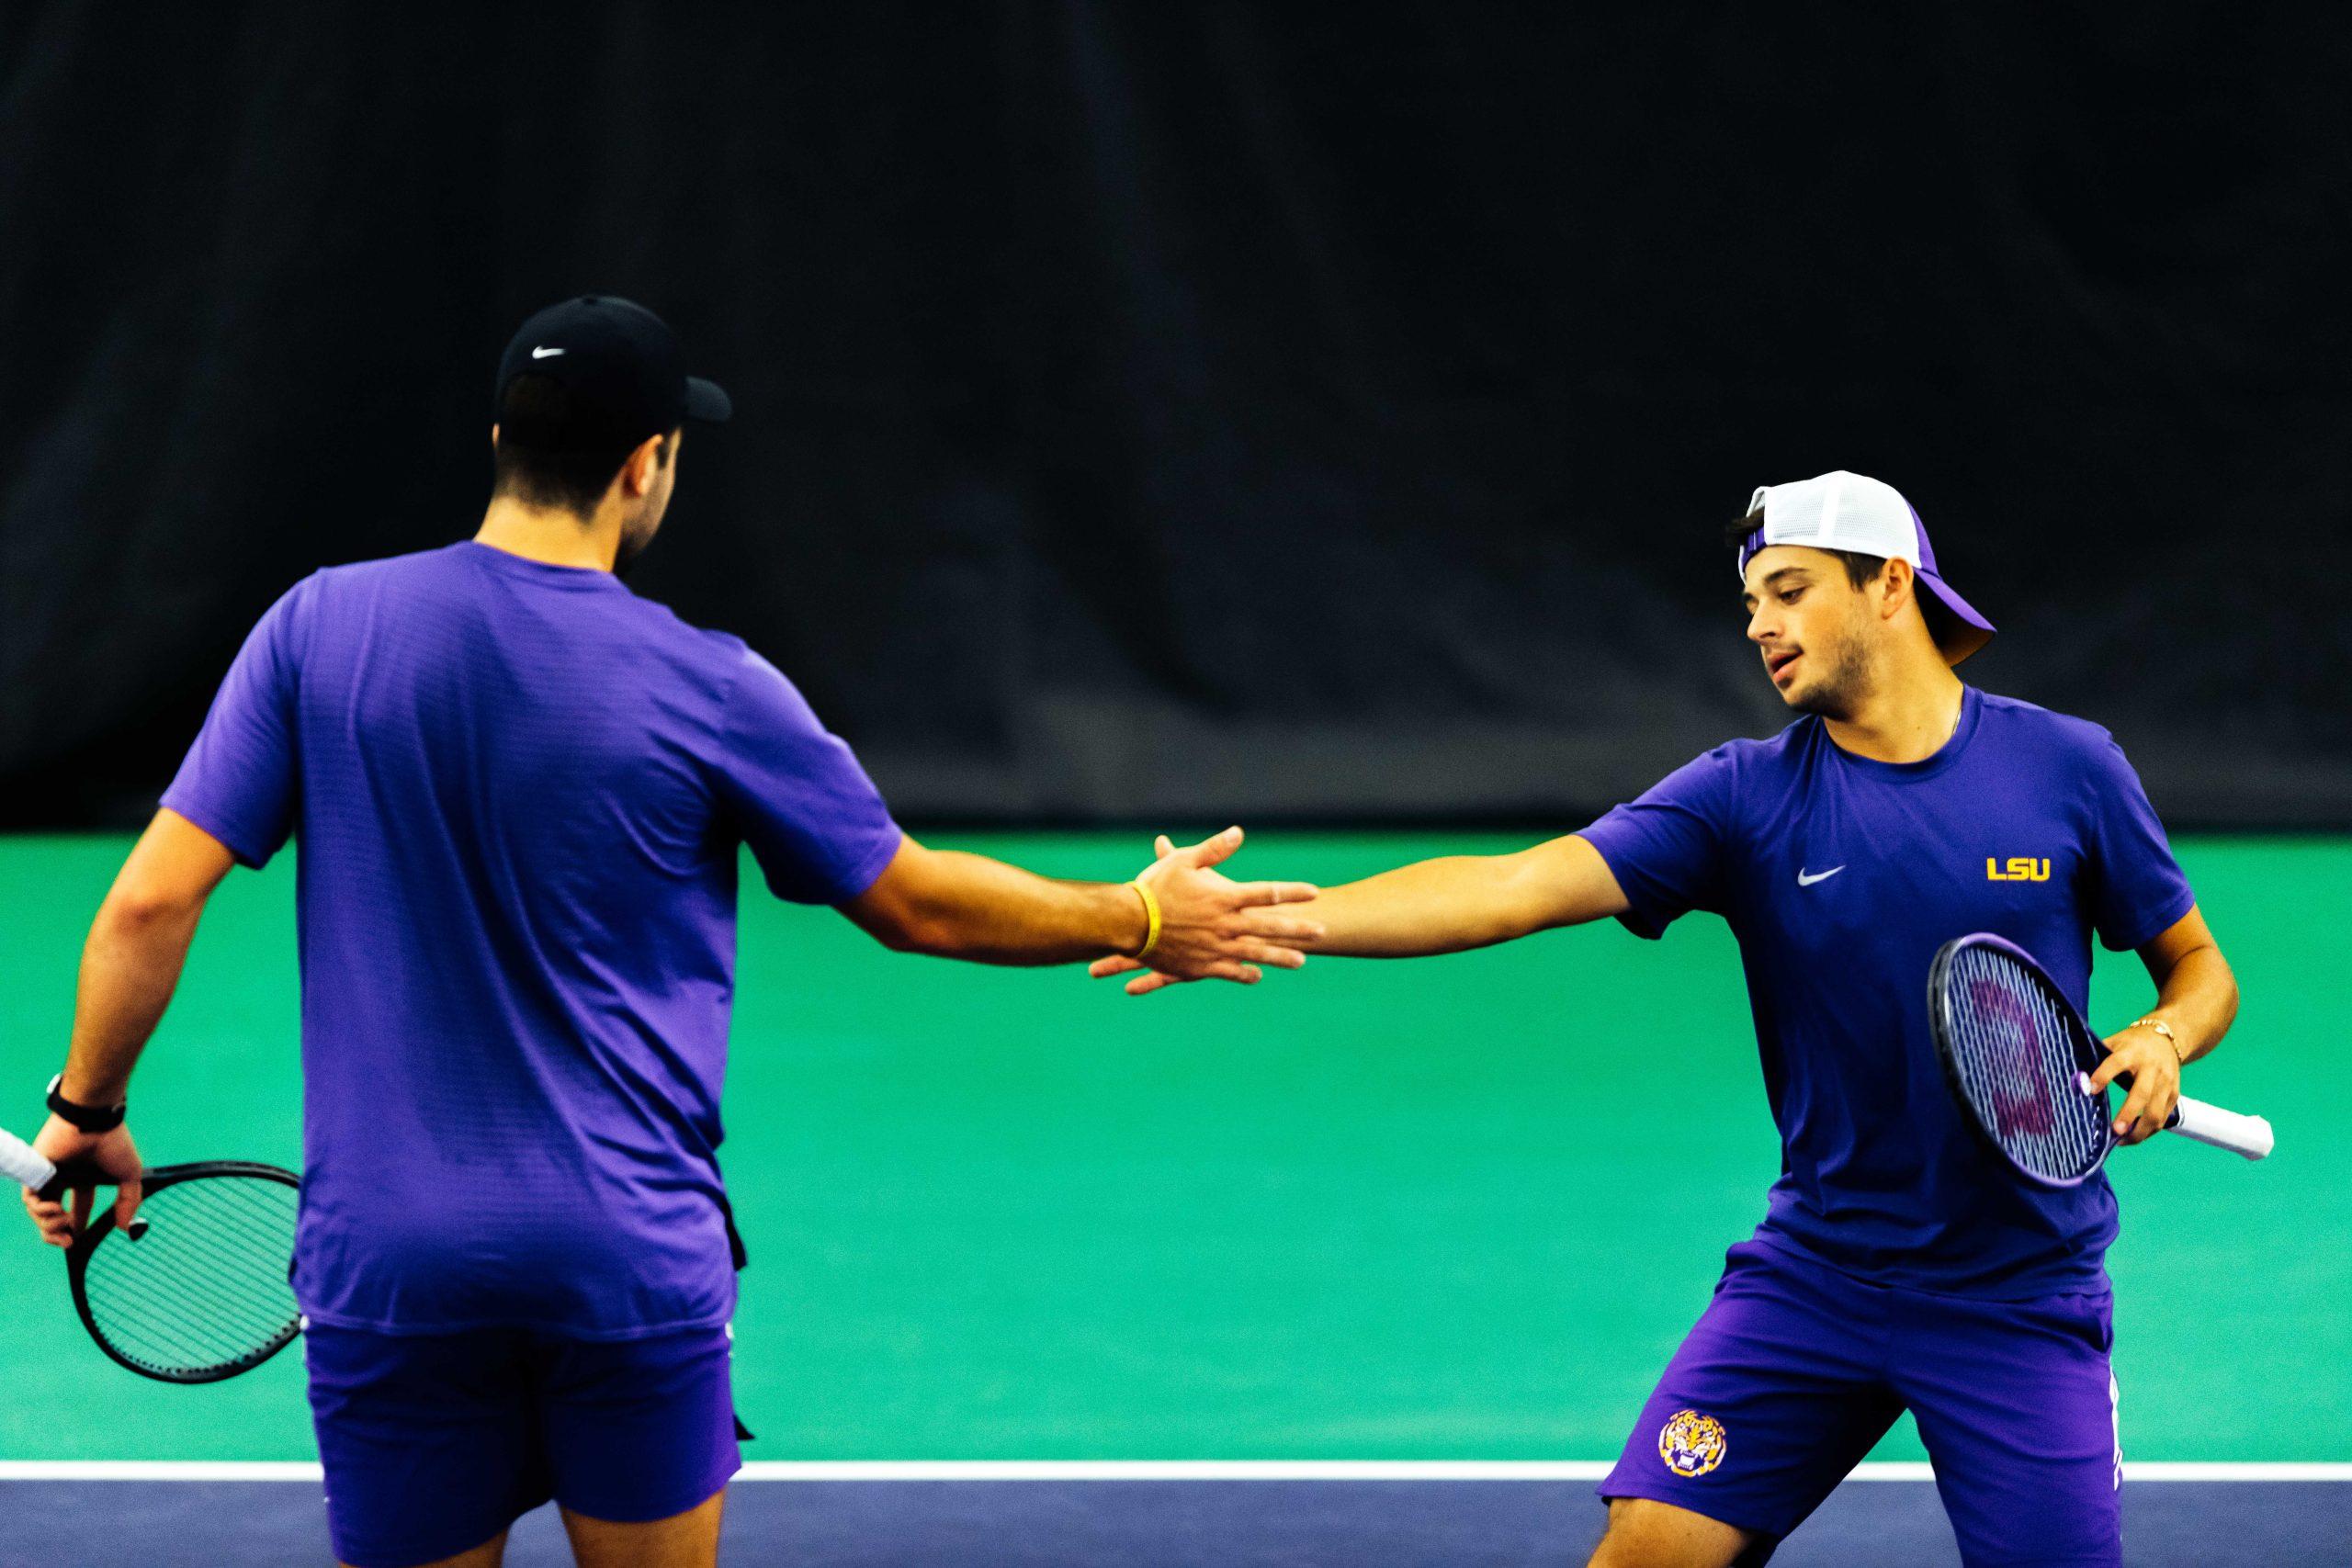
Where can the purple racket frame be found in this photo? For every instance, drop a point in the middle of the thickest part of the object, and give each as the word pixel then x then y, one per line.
pixel 2249 1137
pixel 2086 1049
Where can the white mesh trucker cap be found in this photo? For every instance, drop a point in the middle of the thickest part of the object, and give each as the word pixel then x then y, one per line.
pixel 1848 512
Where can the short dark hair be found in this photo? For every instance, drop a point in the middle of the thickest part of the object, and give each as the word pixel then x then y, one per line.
pixel 537 473
pixel 1859 569
pixel 1942 624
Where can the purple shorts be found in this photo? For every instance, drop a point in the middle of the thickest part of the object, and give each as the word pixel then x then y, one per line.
pixel 1795 1369
pixel 432 1443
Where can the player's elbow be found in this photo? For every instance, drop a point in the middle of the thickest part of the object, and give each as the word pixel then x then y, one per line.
pixel 917 933
pixel 2213 984
pixel 133 907
pixel 2220 979
pixel 1535 892
pixel 906 925
pixel 2229 998
pixel 920 904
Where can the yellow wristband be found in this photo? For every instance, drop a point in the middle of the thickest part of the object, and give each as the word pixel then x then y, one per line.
pixel 1150 920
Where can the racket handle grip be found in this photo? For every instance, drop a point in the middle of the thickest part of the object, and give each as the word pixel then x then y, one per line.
pixel 21 1165
pixel 2247 1135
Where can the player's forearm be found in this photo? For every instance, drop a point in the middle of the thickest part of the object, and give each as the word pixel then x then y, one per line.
pixel 2197 1000
pixel 129 965
pixel 1458 902
pixel 1448 905
pixel 984 911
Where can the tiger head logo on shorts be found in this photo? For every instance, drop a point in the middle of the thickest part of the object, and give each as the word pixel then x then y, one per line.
pixel 1691 1444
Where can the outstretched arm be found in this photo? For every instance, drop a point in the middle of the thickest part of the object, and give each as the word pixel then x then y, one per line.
pixel 953 905
pixel 1445 906
pixel 130 966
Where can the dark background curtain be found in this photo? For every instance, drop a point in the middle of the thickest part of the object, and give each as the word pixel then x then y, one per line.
pixel 1175 412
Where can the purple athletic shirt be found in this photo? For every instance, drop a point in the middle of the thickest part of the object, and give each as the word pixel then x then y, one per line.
pixel 519 791
pixel 1840 876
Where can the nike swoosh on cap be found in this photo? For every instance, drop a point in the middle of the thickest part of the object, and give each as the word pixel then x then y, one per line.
pixel 1807 878
pixel 545 353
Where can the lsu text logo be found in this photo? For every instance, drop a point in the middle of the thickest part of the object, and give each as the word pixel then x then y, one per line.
pixel 1691 1444
pixel 2020 868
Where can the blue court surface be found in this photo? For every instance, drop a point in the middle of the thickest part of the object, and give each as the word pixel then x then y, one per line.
pixel 1159 1516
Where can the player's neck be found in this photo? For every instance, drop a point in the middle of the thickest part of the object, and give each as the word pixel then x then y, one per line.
pixel 1906 716
pixel 550 534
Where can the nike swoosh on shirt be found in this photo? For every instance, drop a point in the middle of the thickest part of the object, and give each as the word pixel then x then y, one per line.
pixel 1807 878
pixel 545 353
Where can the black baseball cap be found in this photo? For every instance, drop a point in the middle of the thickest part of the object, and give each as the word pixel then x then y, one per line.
pixel 622 367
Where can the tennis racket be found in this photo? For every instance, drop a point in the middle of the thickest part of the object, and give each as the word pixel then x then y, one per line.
pixel 197 1290
pixel 2019 1058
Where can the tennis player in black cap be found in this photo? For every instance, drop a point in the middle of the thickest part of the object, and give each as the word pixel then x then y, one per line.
pixel 520 790
pixel 593 401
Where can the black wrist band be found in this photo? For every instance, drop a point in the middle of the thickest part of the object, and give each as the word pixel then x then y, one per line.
pixel 87 1118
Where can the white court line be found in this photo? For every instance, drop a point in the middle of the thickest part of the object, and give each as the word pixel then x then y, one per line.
pixel 1140 1470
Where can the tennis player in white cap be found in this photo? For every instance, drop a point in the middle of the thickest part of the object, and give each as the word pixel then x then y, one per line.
pixel 1899 1265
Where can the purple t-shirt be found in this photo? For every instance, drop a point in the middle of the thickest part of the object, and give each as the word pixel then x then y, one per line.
pixel 1841 877
pixel 519 790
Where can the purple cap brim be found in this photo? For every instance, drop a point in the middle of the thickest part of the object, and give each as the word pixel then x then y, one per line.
pixel 1973 632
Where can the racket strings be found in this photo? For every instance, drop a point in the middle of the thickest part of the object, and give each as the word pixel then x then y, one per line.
pixel 2013 1051
pixel 178 1326
pixel 207 1293
pixel 205 1290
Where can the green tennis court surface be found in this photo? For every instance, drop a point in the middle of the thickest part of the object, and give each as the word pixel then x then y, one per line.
pixel 1459 1208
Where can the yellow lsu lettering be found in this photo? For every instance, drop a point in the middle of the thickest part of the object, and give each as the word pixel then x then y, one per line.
pixel 2020 868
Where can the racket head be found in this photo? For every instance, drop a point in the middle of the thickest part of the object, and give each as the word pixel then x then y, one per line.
pixel 202 1293
pixel 2014 1051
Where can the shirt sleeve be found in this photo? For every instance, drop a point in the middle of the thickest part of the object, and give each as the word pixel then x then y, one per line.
pixel 1666 848
pixel 815 822
pixel 2137 889
pixel 240 781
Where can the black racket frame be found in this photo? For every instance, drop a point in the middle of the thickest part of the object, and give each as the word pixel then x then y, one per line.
pixel 77 1263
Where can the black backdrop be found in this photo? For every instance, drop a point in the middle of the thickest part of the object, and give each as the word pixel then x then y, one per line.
pixel 1202 411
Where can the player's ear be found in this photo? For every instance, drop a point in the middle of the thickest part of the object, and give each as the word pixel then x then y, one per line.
pixel 637 474
pixel 1897 585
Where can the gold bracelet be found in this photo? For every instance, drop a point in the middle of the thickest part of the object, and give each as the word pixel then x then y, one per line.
pixel 2161 1026
pixel 1150 920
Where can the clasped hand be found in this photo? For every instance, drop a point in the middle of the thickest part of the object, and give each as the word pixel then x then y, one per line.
pixel 1211 928
pixel 1215 927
